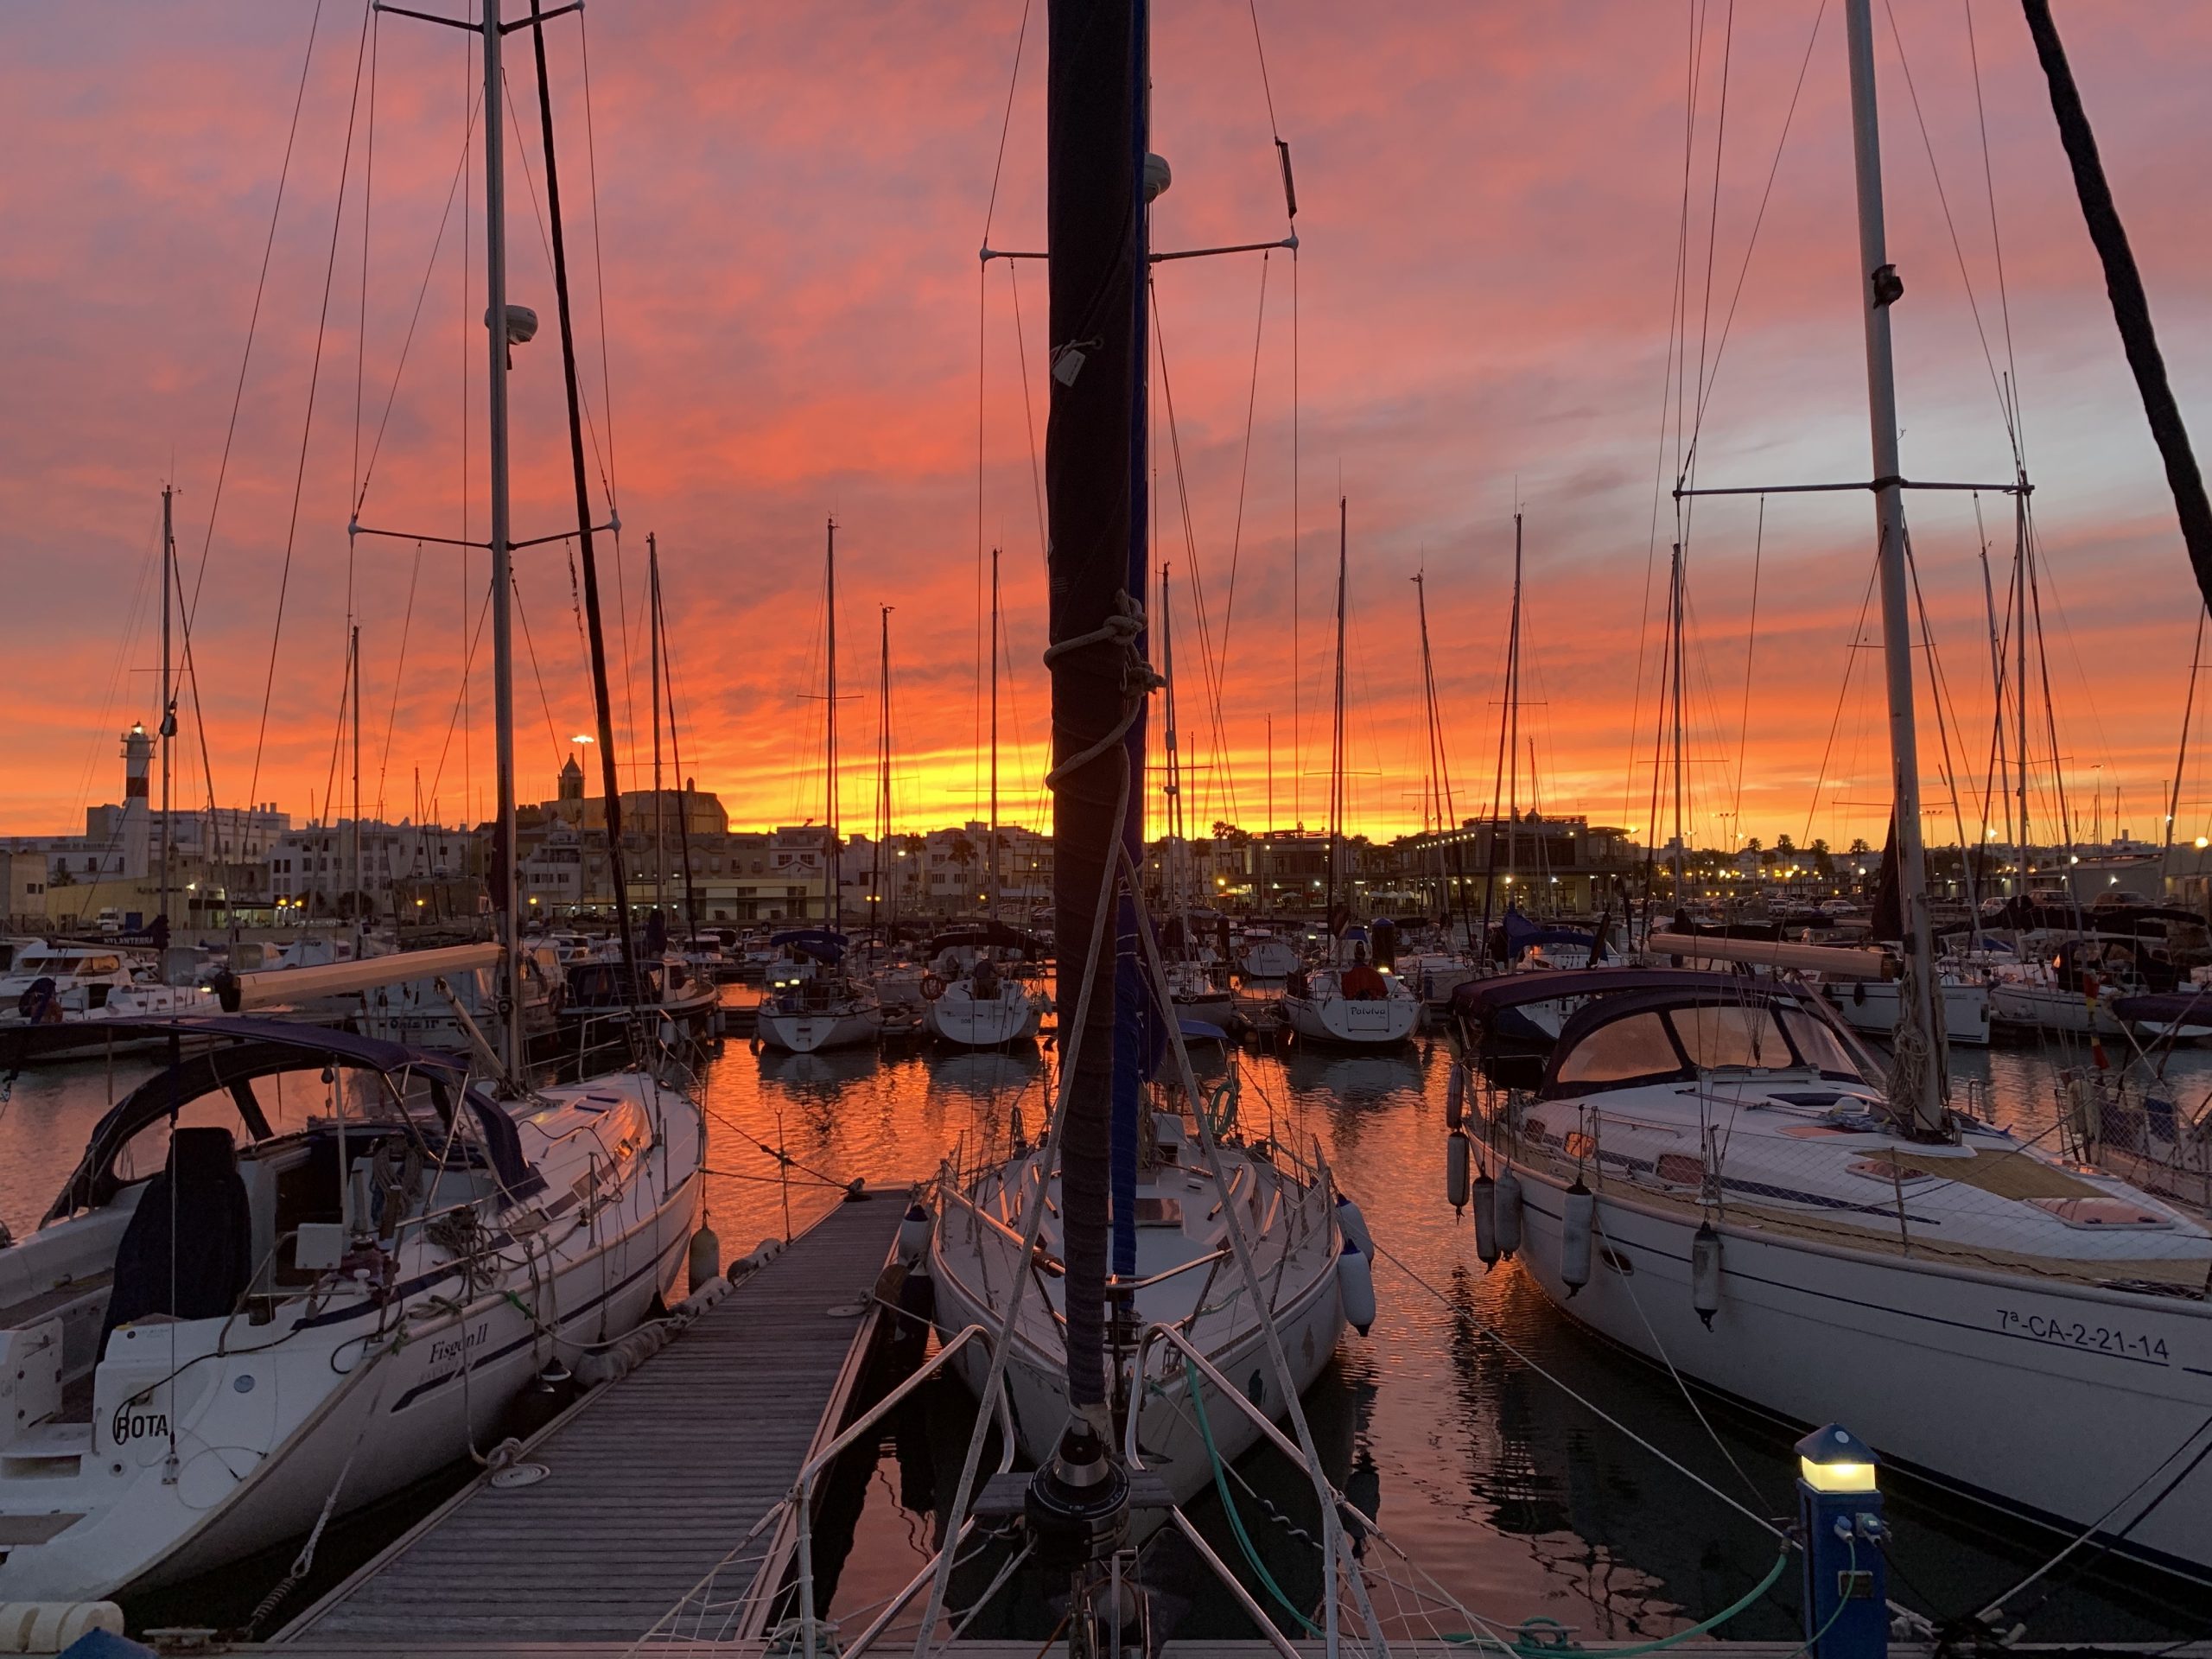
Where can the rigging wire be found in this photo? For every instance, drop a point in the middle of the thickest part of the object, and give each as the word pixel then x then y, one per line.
pixel 1210 664
pixel 1750 642
pixel 1996 244
pixel 552 734
pixel 1244 466
pixel 307 426
pixel 1759 220
pixel 398 677
pixel 607 388
pixel 1667 421
pixel 437 245
pixel 1849 662
pixel 253 319
pixel 1958 252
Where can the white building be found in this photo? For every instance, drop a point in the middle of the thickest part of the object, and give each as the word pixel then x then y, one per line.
pixel 323 870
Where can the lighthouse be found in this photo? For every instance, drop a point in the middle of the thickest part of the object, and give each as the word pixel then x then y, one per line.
pixel 135 832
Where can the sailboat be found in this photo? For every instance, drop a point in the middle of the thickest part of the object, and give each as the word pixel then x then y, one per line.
pixel 235 1319
pixel 1708 1175
pixel 1449 961
pixel 972 1001
pixel 1135 1201
pixel 812 1001
pixel 1351 1003
pixel 1196 986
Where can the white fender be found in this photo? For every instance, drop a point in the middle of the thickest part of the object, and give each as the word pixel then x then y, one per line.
pixel 1509 1212
pixel 1705 1273
pixel 1455 1096
pixel 1456 1158
pixel 1486 1219
pixel 1578 1215
pixel 913 1232
pixel 1355 1282
pixel 1353 1225
pixel 705 1261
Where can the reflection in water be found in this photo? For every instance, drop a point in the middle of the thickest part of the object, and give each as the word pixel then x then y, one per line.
pixel 1520 1501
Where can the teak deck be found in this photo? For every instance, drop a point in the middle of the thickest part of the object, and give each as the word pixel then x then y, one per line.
pixel 652 1478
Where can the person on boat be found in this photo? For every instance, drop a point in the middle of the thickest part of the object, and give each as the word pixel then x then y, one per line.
pixel 984 981
pixel 1297 984
pixel 1360 982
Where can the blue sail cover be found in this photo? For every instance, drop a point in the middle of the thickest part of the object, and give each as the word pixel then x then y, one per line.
pixel 1522 936
pixel 820 943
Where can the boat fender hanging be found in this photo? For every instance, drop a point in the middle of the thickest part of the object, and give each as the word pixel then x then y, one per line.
pixel 1455 1096
pixel 1353 1224
pixel 1705 1273
pixel 1355 1281
pixel 1456 1160
pixel 705 1261
pixel 1486 1219
pixel 1509 1212
pixel 1858 992
pixel 53 1626
pixel 913 1232
pixel 1578 1215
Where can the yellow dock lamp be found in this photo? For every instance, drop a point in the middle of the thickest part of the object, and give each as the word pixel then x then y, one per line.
pixel 1839 1511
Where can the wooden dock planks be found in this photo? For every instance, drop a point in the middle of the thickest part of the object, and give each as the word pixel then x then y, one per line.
pixel 652 1480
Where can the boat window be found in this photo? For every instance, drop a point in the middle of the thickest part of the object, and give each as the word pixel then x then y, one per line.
pixel 145 1153
pixel 1817 1045
pixel 1637 1046
pixel 1731 1035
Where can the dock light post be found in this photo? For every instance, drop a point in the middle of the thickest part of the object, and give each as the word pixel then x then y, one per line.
pixel 1846 1602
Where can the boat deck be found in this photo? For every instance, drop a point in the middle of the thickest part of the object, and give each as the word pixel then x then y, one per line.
pixel 651 1478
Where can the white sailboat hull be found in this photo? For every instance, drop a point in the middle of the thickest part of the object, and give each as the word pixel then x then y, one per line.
pixel 1267 959
pixel 965 1021
pixel 2054 1398
pixel 2035 1006
pixel 1872 1006
pixel 1172 1446
pixel 267 1421
pixel 1354 1024
pixel 809 1033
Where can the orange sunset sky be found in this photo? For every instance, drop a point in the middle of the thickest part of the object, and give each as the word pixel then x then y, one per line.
pixel 789 201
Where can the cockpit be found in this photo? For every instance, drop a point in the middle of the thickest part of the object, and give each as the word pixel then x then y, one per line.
pixel 1668 1036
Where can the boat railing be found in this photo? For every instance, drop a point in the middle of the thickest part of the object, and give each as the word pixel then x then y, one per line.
pixel 1224 1391
pixel 707 1617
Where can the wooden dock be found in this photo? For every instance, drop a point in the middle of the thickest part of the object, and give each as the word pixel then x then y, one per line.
pixel 650 1479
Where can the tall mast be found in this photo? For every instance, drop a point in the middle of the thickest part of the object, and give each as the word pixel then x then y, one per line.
pixel 1450 872
pixel 2020 676
pixel 1677 610
pixel 660 819
pixel 595 623
pixel 1094 499
pixel 2188 714
pixel 1336 729
pixel 1170 866
pixel 1997 692
pixel 829 768
pixel 1918 1074
pixel 991 831
pixel 1513 718
pixel 883 782
pixel 506 879
pixel 167 727
pixel 361 876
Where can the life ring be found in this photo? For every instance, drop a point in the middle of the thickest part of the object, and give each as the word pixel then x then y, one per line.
pixel 932 987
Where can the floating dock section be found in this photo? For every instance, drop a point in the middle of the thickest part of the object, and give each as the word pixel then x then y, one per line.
pixel 648 1480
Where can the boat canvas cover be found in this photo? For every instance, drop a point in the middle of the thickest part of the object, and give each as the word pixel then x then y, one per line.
pixel 257 1048
pixel 1478 999
pixel 819 942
